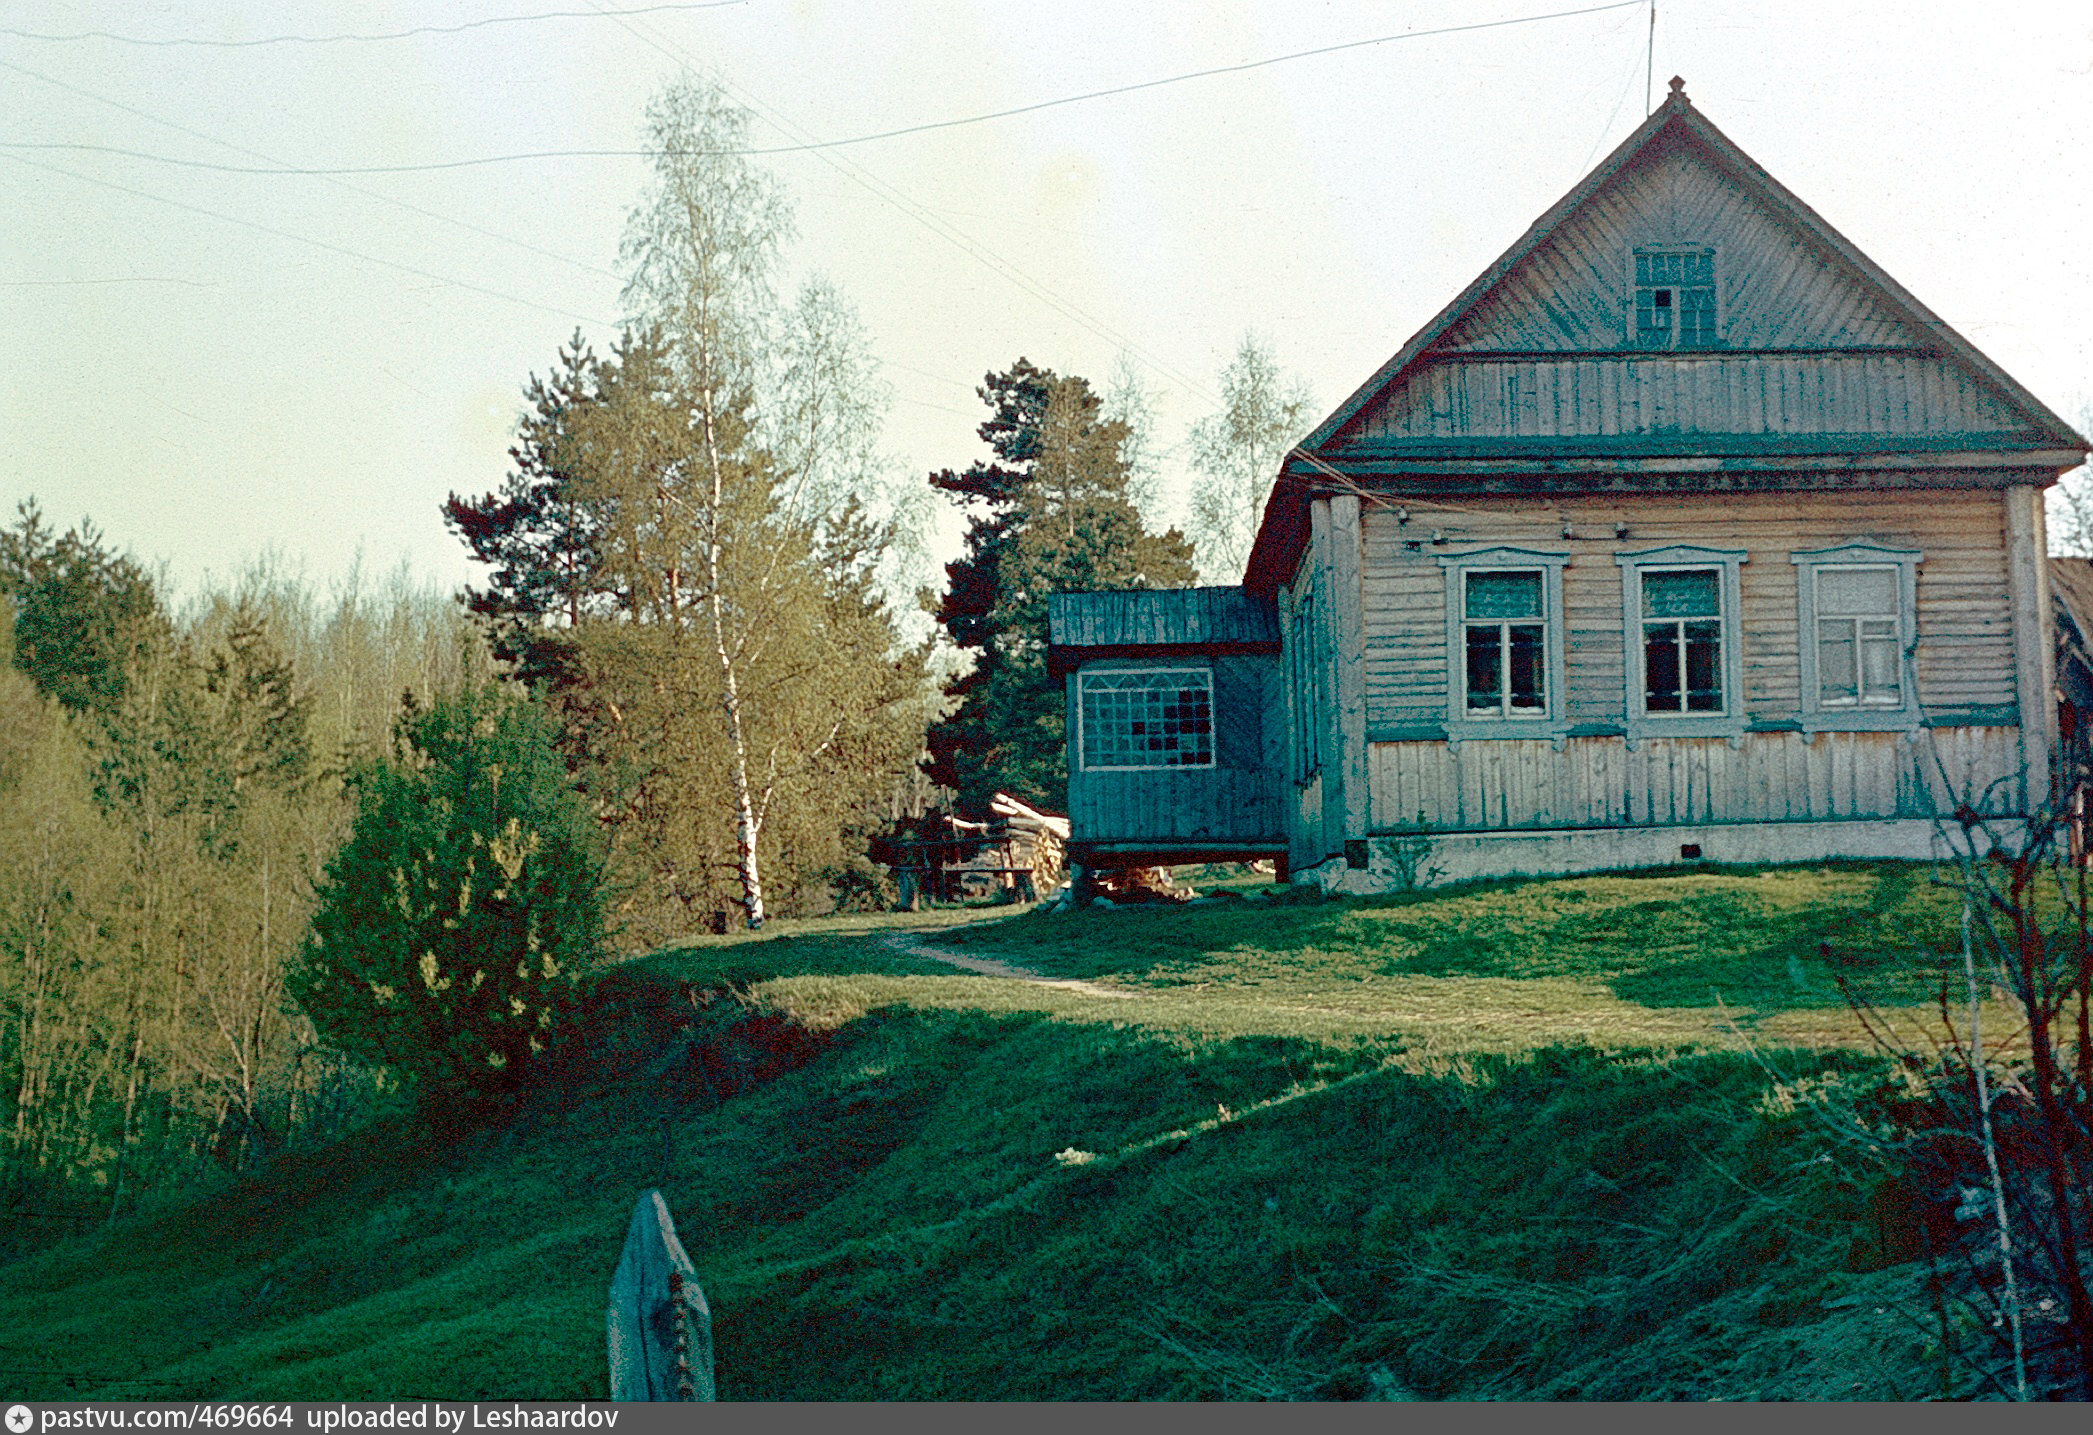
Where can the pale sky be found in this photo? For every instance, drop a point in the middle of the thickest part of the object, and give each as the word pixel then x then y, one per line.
pixel 214 366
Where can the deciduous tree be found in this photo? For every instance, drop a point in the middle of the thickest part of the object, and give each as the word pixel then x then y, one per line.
pixel 1236 454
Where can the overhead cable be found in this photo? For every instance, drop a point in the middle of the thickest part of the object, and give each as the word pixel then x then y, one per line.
pixel 198 42
pixel 328 245
pixel 810 146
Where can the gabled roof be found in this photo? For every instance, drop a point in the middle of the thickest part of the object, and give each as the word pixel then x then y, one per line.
pixel 1675 121
pixel 1157 622
pixel 1677 112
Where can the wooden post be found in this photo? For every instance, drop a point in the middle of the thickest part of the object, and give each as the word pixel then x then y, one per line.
pixel 659 1325
pixel 1348 649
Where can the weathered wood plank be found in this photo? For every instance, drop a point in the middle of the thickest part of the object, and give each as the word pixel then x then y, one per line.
pixel 658 1324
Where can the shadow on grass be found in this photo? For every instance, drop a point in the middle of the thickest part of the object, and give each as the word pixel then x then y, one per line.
pixel 948 1203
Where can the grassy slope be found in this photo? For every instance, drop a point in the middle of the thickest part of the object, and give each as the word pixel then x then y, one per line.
pixel 1323 1149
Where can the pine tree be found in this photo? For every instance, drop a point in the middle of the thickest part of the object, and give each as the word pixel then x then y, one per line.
pixel 536 533
pixel 84 615
pixel 1050 514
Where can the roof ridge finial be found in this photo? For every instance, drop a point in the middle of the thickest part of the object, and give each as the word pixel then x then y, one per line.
pixel 1678 91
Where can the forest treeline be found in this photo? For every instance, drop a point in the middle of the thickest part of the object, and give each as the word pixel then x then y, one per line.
pixel 700 575
pixel 172 782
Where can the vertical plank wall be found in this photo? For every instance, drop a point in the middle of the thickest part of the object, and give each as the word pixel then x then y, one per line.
pixel 1235 800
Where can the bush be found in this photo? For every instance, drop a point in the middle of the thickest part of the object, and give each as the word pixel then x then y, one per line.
pixel 453 925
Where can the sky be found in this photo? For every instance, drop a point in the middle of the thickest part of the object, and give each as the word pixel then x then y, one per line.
pixel 220 368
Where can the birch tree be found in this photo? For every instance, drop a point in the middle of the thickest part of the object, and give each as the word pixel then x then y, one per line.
pixel 731 455
pixel 1236 454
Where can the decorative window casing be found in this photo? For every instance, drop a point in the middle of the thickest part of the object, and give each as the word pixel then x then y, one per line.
pixel 1504 643
pixel 1140 718
pixel 1857 607
pixel 1675 300
pixel 1680 611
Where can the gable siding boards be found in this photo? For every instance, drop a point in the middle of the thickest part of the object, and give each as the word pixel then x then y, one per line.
pixel 1775 289
pixel 1808 345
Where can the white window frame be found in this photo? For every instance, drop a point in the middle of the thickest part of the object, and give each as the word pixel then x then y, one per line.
pixel 1726 563
pixel 1203 671
pixel 1549 720
pixel 1819 716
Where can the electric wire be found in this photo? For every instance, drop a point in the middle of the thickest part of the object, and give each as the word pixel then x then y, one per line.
pixel 167 42
pixel 373 194
pixel 308 239
pixel 903 204
pixel 809 146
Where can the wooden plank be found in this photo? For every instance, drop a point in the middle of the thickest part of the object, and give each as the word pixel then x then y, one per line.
pixel 658 1325
pixel 2033 649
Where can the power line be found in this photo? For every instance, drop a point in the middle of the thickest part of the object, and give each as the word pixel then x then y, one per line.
pixel 257 154
pixel 908 207
pixel 333 248
pixel 818 145
pixel 352 38
pixel 113 279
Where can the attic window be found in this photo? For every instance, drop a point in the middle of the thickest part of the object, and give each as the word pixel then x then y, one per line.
pixel 1675 298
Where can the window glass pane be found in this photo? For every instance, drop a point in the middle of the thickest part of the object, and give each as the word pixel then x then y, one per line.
pixel 1703 667
pixel 1485 669
pixel 1528 685
pixel 1660 667
pixel 1504 595
pixel 1879 664
pixel 1696 317
pixel 1148 719
pixel 1680 595
pixel 1850 592
pixel 1837 664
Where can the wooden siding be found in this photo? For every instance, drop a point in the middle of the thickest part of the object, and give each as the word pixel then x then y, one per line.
pixel 1965 657
pixel 1895 394
pixel 1775 289
pixel 1235 800
pixel 1176 807
pixel 1770 777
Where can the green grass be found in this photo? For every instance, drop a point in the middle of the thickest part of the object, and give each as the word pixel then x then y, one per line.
pixel 1317 1152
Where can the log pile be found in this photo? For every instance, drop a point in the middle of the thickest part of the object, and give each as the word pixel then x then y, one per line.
pixel 1017 854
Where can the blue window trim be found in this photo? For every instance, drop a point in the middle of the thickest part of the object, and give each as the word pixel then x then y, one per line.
pixel 1907 717
pixel 1731 721
pixel 1460 723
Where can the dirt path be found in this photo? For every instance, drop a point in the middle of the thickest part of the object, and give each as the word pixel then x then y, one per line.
pixel 913 944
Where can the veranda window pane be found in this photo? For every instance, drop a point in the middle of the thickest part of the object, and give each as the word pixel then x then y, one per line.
pixel 1856 592
pixel 1690 594
pixel 1504 595
pixel 1147 719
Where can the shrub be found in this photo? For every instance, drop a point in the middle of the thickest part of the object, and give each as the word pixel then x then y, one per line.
pixel 454 923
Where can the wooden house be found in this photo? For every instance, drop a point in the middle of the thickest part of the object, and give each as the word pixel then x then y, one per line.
pixel 1684 532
